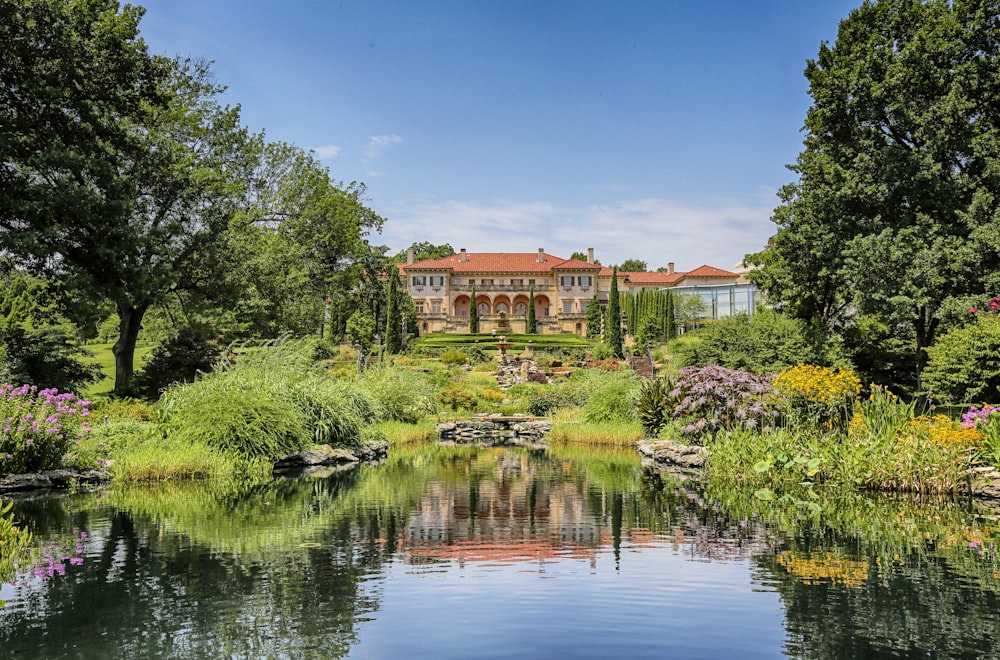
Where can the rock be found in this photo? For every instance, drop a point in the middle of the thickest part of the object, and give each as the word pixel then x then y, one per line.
pixel 668 452
pixel 60 478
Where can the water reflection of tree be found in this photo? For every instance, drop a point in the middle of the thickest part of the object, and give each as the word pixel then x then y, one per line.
pixel 890 576
pixel 145 592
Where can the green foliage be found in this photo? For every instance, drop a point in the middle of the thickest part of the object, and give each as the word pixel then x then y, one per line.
pixel 633 266
pixel 964 365
pixel 612 323
pixel 613 400
pixel 456 398
pixel 894 214
pixel 473 313
pixel 764 343
pixel 530 320
pixel 177 360
pixel 399 394
pixel 361 328
pixel 270 401
pixel 394 314
pixel 424 250
pixel 36 340
pixel 594 317
pixel 454 356
pixel 652 405
pixel 650 315
pixel 14 544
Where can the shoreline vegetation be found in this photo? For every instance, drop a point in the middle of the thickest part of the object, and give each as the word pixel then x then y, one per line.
pixel 806 426
pixel 800 439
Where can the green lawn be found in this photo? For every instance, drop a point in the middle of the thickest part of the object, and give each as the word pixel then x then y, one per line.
pixel 488 339
pixel 103 356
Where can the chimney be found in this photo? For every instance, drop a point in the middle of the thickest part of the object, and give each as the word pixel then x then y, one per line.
pixel 541 255
pixel 590 255
pixel 409 256
pixel 670 268
pixel 463 257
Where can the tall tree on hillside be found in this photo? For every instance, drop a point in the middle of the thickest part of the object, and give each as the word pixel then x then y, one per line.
pixel 612 320
pixel 473 313
pixel 393 314
pixel 531 324
pixel 896 213
pixel 633 266
pixel 424 250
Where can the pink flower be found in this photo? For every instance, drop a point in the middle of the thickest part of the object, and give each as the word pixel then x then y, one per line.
pixel 973 310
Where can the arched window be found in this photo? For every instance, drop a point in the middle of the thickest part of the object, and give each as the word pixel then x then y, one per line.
pixel 501 307
pixel 483 308
pixel 520 308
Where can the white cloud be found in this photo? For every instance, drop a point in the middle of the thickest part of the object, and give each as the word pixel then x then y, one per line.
pixel 718 233
pixel 379 143
pixel 327 151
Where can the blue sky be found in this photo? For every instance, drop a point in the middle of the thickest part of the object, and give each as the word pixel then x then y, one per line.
pixel 656 130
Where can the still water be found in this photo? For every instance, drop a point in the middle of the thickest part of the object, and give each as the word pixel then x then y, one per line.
pixel 448 552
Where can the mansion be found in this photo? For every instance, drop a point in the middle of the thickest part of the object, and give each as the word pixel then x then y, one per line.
pixel 503 282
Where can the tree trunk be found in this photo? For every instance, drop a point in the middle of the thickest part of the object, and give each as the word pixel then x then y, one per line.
pixel 129 322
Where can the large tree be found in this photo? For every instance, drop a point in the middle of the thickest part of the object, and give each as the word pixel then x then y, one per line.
pixel 633 266
pixel 118 165
pixel 895 212
pixel 298 246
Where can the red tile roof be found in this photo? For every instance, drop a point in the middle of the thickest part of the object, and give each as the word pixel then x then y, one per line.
pixel 576 264
pixel 491 262
pixel 709 271
pixel 652 277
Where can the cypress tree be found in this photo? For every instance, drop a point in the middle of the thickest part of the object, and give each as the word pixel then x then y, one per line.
pixel 532 324
pixel 613 322
pixel 473 313
pixel 393 315
pixel 594 318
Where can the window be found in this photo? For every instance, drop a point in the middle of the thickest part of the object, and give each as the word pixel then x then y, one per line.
pixel 568 307
pixel 437 280
pixel 517 282
pixel 585 280
pixel 501 307
pixel 531 282
pixel 583 306
pixel 566 280
pixel 419 280
pixel 486 282
pixel 483 308
pixel 520 308
pixel 420 306
pixel 436 307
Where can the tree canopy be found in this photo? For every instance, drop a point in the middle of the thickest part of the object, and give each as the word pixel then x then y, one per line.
pixel 896 212
pixel 127 180
pixel 633 266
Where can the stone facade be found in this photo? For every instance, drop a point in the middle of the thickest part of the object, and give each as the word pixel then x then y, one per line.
pixel 502 283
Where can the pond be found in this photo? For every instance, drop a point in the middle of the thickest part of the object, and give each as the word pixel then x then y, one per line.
pixel 457 552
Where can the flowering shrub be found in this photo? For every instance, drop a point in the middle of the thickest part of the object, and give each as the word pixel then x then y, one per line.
pixel 37 427
pixel 706 400
pixel 818 395
pixel 986 420
pixel 940 430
